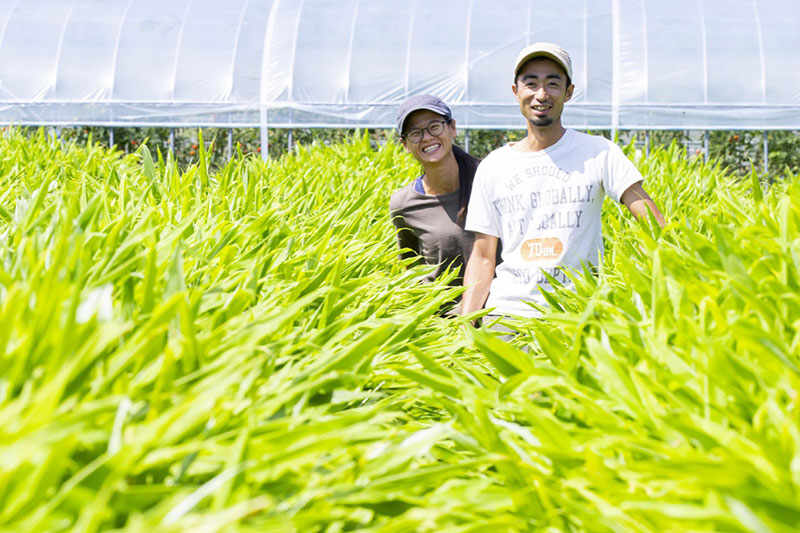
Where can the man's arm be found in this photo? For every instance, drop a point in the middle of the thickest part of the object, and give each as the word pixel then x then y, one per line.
pixel 479 273
pixel 639 203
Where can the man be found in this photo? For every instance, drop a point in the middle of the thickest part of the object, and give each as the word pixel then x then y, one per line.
pixel 541 197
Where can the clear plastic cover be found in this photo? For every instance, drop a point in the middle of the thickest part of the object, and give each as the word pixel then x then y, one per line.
pixel 646 64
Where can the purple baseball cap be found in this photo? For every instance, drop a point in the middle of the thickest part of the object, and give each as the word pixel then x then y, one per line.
pixel 421 101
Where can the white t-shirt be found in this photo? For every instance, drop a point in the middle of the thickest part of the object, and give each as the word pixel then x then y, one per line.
pixel 545 209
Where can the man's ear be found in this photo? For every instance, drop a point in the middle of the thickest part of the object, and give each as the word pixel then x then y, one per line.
pixel 569 91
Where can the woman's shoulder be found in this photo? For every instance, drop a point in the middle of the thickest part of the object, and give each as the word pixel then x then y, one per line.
pixel 401 197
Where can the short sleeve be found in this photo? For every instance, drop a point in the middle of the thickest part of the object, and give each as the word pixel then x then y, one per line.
pixel 407 240
pixel 620 173
pixel 481 217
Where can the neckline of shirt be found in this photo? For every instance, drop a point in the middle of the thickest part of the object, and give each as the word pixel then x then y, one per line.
pixel 418 183
pixel 567 133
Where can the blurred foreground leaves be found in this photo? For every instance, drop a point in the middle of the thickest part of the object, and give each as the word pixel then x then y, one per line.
pixel 240 350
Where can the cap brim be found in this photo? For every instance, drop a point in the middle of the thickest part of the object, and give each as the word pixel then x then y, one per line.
pixel 541 53
pixel 435 109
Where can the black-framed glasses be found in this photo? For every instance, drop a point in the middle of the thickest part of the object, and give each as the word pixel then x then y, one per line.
pixel 435 128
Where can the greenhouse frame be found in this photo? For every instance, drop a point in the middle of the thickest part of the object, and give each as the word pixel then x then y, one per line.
pixel 638 64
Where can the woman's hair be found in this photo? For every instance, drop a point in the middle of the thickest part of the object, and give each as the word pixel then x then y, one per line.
pixel 467 165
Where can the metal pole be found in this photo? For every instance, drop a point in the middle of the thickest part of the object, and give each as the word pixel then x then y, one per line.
pixel 647 143
pixel 686 143
pixel 264 141
pixel 706 145
pixel 638 143
pixel 290 136
pixel 766 153
pixel 111 137
pixel 172 141
pixel 229 147
pixel 466 141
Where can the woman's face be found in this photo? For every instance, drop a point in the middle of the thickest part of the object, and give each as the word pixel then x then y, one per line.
pixel 431 148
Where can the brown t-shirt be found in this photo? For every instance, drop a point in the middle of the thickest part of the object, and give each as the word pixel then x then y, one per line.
pixel 426 226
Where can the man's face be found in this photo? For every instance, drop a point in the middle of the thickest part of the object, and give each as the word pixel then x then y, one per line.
pixel 541 90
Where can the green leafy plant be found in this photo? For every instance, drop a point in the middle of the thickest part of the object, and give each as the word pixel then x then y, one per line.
pixel 236 347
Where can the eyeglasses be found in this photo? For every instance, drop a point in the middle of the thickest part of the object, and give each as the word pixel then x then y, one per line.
pixel 435 128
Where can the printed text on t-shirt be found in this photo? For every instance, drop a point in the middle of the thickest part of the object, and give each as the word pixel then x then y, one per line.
pixel 545 171
pixel 538 249
pixel 559 196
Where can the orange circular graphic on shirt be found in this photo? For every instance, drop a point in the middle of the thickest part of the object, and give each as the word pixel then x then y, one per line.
pixel 542 249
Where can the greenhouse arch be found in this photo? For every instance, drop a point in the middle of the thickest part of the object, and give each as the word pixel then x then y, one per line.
pixel 639 64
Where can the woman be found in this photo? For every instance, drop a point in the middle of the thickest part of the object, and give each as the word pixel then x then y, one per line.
pixel 429 212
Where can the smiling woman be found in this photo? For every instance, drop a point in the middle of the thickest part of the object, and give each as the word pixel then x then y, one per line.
pixel 429 212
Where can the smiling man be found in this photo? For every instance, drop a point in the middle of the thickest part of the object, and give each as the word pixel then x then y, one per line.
pixel 541 197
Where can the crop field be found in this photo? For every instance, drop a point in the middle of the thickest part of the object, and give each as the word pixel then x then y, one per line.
pixel 184 349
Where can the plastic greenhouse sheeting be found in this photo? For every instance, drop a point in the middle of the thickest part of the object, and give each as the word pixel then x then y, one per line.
pixel 646 64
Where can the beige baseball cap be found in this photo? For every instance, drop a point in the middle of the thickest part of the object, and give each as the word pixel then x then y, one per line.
pixel 548 50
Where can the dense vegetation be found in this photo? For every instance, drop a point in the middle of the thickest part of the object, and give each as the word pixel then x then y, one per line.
pixel 240 350
pixel 739 152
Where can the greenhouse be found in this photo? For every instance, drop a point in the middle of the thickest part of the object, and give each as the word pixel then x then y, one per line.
pixel 683 64
pixel 205 338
